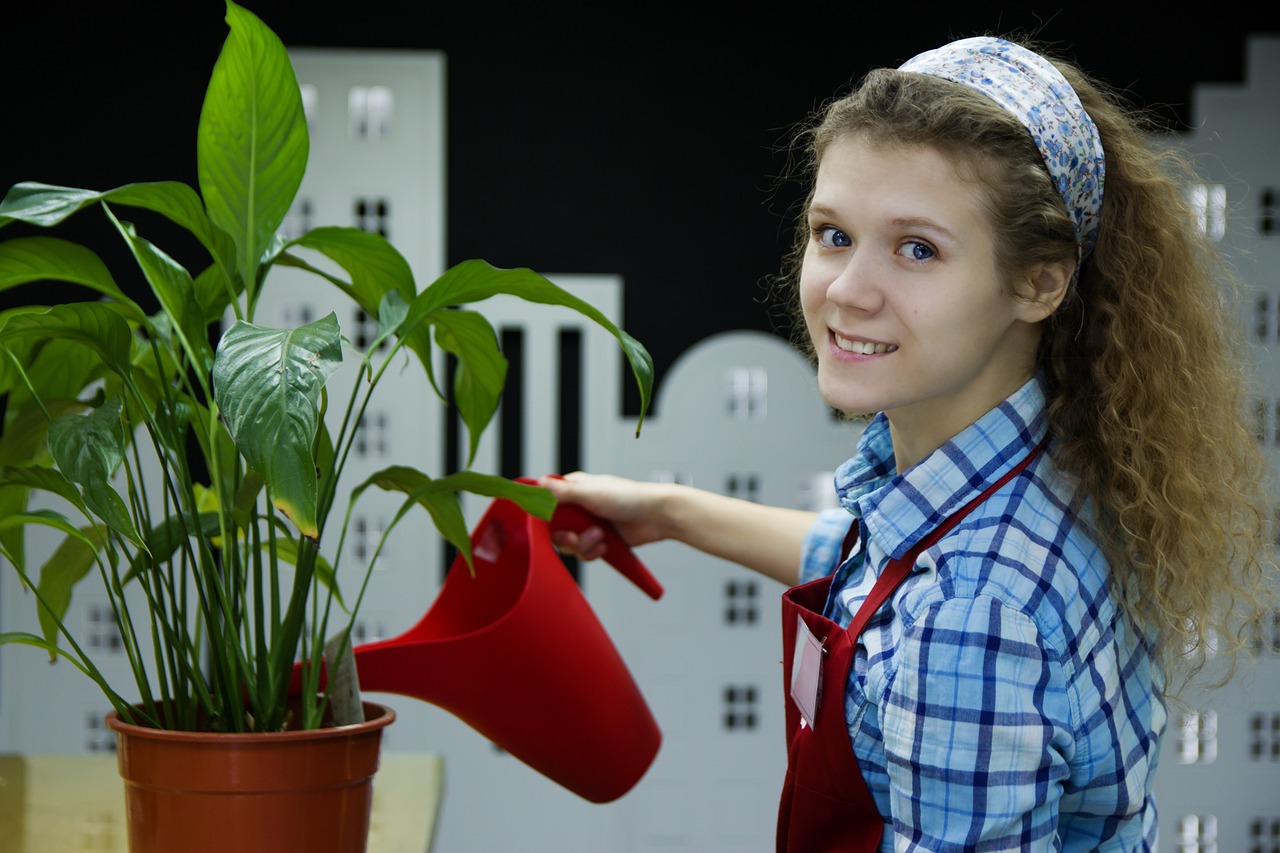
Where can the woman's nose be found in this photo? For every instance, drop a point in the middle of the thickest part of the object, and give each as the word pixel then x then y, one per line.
pixel 855 283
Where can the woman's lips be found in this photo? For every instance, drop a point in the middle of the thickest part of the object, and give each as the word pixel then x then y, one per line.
pixel 860 347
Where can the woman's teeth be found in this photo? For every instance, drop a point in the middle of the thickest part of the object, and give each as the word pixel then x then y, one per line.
pixel 862 347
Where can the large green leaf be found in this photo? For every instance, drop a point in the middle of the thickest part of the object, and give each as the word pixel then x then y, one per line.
pixel 13 501
pixel 93 324
pixel 376 271
pixel 45 479
pixel 29 259
pixel 482 369
pixel 181 205
pixel 57 368
pixel 267 384
pixel 25 433
pixel 391 314
pixel 55 589
pixel 435 496
pixel 46 205
pixel 88 449
pixel 173 287
pixel 66 567
pixel 251 145
pixel 26 639
pixel 375 266
pixel 475 280
pixel 439 497
pixel 213 293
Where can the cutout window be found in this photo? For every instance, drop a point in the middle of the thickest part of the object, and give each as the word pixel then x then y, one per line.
pixel 369 112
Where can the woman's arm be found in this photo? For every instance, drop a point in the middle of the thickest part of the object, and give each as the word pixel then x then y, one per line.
pixel 767 539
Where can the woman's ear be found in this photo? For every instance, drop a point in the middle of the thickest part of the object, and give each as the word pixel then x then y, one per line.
pixel 1043 289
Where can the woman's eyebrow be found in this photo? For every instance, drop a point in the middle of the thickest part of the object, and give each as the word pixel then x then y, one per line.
pixel 925 223
pixel 821 210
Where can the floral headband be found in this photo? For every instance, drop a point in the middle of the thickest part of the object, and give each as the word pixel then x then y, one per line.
pixel 1035 92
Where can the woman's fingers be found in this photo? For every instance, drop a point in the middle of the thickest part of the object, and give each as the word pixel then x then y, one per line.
pixel 586 545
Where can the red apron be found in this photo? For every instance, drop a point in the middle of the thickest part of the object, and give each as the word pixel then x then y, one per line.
pixel 826 807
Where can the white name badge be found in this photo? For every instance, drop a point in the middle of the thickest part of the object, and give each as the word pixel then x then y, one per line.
pixel 806 672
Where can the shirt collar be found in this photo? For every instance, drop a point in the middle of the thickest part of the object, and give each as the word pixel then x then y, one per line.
pixel 900 509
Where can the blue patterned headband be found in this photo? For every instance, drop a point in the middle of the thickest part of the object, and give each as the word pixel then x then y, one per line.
pixel 1035 92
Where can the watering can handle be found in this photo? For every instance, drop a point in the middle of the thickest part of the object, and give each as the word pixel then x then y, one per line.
pixel 617 553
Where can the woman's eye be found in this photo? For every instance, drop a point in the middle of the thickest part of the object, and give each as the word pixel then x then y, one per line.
pixel 829 235
pixel 917 251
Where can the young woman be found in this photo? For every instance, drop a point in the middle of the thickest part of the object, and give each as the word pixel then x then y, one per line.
pixel 1055 506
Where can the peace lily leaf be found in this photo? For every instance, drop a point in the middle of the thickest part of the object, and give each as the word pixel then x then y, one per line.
pixel 377 270
pixel 213 292
pixel 216 447
pixel 391 313
pixel 94 324
pixel 482 369
pixel 28 259
pixel 439 497
pixel 66 567
pixel 17 354
pixel 47 205
pixel 375 266
pixel 60 580
pixel 247 495
pixel 57 368
pixel 251 145
pixel 165 538
pixel 435 496
pixel 173 287
pixel 13 500
pixel 25 433
pixel 206 500
pixel 534 500
pixel 43 204
pixel 45 479
pixel 171 421
pixel 88 449
pixel 267 384
pixel 325 455
pixel 473 281
pixel 23 638
pixel 182 206
pixel 44 517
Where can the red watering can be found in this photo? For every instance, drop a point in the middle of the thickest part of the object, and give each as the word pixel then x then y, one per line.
pixel 516 652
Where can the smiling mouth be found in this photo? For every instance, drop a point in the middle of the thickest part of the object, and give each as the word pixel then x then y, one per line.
pixel 862 347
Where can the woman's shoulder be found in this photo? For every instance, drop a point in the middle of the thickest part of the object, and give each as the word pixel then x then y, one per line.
pixel 1031 547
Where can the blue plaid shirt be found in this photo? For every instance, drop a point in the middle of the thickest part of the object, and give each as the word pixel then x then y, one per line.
pixel 999 701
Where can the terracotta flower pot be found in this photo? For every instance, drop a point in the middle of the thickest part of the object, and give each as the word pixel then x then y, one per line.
pixel 204 792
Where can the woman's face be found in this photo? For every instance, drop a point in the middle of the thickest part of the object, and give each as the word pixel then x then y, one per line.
pixel 901 295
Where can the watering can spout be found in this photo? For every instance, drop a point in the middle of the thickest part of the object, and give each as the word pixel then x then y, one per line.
pixel 516 652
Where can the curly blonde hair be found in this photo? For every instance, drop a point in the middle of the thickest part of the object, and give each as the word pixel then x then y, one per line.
pixel 1145 385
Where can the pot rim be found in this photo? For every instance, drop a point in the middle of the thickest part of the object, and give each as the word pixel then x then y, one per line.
pixel 377 716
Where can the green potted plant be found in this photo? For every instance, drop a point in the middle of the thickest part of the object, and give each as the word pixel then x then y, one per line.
pixel 232 416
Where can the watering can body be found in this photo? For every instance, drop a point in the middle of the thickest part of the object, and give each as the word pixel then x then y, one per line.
pixel 516 652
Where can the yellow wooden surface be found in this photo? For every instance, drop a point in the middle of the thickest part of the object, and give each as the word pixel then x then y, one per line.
pixel 75 804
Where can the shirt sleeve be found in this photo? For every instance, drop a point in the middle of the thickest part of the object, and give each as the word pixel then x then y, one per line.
pixel 976 723
pixel 821 551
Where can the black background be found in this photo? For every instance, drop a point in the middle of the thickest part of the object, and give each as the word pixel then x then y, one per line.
pixel 604 139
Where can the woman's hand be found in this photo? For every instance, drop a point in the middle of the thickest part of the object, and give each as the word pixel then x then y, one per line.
pixel 764 538
pixel 633 507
